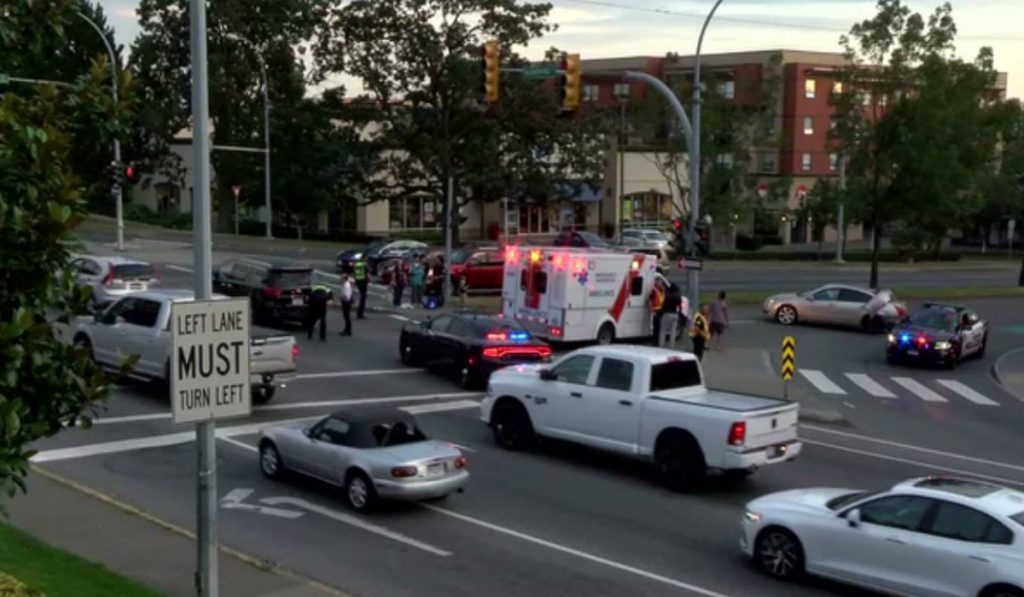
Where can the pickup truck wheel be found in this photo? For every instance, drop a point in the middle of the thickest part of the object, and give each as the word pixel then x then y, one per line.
pixel 512 427
pixel 270 460
pixel 680 463
pixel 606 335
pixel 263 393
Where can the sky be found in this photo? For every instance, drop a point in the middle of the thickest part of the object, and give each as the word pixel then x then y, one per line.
pixel 609 28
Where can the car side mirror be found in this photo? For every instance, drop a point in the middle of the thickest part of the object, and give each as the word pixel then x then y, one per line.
pixel 547 375
pixel 853 517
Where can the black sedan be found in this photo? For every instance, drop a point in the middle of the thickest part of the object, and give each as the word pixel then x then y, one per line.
pixel 346 259
pixel 473 345
pixel 938 334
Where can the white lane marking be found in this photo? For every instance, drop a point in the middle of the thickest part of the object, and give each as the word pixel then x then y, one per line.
pixel 240 444
pixel 179 268
pixel 967 392
pixel 398 317
pixel 365 373
pixel 233 500
pixel 821 381
pixel 442 407
pixel 356 522
pixel 130 418
pixel 869 385
pixel 919 389
pixel 575 552
pixel 912 447
pixel 944 469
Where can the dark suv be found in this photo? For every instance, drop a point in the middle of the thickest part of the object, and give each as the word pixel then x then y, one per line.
pixel 278 290
pixel 582 239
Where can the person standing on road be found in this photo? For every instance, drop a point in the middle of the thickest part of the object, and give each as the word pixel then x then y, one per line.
pixel 398 280
pixel 655 301
pixel 700 331
pixel 670 317
pixel 346 304
pixel 417 276
pixel 719 320
pixel 319 296
pixel 362 277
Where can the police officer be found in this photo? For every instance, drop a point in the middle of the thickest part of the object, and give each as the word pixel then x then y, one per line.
pixel 655 302
pixel 319 296
pixel 700 332
pixel 362 278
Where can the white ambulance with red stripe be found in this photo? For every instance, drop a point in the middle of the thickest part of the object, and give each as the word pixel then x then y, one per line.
pixel 567 294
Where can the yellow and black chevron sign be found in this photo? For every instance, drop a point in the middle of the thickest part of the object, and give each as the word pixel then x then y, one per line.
pixel 788 357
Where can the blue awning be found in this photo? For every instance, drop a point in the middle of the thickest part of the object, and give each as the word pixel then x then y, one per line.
pixel 582 193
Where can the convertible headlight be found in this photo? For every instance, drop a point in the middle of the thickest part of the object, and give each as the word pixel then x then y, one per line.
pixel 943 345
pixel 751 516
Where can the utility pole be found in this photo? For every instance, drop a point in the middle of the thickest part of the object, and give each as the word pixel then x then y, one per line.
pixel 448 223
pixel 116 189
pixel 207 584
pixel 622 166
pixel 841 224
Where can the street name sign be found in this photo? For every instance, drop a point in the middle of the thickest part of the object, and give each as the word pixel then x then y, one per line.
pixel 210 360
pixel 691 263
pixel 540 72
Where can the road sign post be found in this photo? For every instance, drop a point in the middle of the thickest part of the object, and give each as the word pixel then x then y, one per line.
pixel 788 363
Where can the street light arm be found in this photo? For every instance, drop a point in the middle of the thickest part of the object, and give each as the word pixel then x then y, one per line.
pixel 673 101
pixel 700 44
pixel 110 53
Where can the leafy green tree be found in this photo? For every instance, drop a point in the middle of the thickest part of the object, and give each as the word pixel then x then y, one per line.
pixel 45 384
pixel 821 207
pixel 912 122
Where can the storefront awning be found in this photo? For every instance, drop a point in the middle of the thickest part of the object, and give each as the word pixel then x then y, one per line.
pixel 582 193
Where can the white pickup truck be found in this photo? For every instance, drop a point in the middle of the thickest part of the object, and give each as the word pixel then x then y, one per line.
pixel 140 324
pixel 646 403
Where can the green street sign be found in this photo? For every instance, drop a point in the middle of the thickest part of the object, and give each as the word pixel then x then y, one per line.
pixel 4 78
pixel 540 72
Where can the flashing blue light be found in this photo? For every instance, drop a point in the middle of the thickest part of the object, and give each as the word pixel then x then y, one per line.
pixel 519 336
pixel 905 339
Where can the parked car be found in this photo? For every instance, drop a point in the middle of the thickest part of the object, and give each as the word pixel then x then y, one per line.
pixel 379 251
pixel 111 278
pixel 935 536
pixel 140 324
pixel 371 453
pixel 483 270
pixel 346 258
pixel 279 289
pixel 580 239
pixel 635 245
pixel 645 403
pixel 837 304
pixel 646 237
pixel 939 334
pixel 474 345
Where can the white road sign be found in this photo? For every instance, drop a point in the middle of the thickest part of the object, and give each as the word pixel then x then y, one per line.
pixel 210 360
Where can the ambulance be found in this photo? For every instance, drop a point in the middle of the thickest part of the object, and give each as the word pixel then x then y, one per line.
pixel 565 294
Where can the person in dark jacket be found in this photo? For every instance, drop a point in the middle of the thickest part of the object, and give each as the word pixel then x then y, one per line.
pixel 670 316
pixel 319 296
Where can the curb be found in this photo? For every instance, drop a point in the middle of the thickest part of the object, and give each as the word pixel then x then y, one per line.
pixel 255 562
pixel 1000 376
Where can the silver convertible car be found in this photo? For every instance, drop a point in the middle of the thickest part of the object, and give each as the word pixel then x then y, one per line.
pixel 372 454
pixel 839 305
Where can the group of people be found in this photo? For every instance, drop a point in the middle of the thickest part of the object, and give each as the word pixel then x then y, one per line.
pixel 423 277
pixel 671 310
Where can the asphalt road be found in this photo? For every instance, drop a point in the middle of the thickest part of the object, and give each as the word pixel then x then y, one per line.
pixel 560 521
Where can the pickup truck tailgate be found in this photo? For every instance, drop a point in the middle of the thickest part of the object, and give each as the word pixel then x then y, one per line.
pixel 771 427
pixel 272 354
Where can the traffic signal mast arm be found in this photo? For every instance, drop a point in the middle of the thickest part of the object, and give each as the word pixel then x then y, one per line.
pixel 570 71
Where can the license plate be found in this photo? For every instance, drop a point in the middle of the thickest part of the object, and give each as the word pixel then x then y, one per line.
pixel 913 353
pixel 436 470
pixel 779 450
pixel 296 300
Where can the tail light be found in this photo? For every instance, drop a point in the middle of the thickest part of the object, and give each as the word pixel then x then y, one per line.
pixel 295 352
pixel 737 434
pixel 404 472
pixel 460 462
pixel 545 352
pixel 556 331
pixel 491 353
pixel 273 292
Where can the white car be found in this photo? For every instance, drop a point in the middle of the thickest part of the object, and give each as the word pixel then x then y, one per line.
pixel 932 536
pixel 112 278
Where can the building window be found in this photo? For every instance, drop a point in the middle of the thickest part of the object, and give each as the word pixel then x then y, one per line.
pixel 837 87
pixel 413 213
pixel 725 160
pixel 591 93
pixel 805 162
pixel 810 88
pixel 769 125
pixel 808 125
pixel 865 98
pixel 768 162
pixel 537 218
pixel 833 161
pixel 727 89
pixel 621 90
pixel 647 210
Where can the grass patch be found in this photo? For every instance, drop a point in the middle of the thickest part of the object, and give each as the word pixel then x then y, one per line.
pixel 52 572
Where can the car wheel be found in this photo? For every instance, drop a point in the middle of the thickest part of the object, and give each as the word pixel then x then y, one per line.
pixel 512 427
pixel 954 358
pixel 872 325
pixel 680 463
pixel 467 378
pixel 606 335
pixel 271 464
pixel 984 345
pixel 778 553
pixel 83 343
pixel 892 359
pixel 408 358
pixel 359 491
pixel 1002 591
pixel 263 393
pixel 786 315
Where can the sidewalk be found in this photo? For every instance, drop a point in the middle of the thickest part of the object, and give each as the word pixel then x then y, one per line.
pixel 133 544
pixel 1009 372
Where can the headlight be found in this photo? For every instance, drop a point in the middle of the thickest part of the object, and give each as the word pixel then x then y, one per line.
pixel 892 339
pixel 751 516
pixel 357 256
pixel 943 345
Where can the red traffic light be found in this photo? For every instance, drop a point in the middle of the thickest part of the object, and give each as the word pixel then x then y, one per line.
pixel 129 172
pixel 677 223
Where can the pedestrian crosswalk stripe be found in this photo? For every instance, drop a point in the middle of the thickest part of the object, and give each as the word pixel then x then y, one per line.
pixel 821 381
pixel 967 392
pixel 919 389
pixel 869 385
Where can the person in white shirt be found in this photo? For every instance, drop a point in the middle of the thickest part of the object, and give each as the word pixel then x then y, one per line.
pixel 346 304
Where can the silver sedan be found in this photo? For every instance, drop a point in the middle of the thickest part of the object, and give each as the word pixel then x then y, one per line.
pixel 839 305
pixel 372 454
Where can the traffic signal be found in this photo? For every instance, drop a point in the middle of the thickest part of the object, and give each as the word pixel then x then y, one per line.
pixel 131 173
pixel 571 82
pixel 492 54
pixel 678 236
pixel 115 174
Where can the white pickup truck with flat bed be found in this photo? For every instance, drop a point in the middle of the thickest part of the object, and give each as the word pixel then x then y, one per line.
pixel 646 403
pixel 140 324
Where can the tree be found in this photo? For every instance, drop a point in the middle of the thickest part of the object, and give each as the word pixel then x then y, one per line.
pixel 44 384
pixel 419 64
pixel 911 121
pixel 821 208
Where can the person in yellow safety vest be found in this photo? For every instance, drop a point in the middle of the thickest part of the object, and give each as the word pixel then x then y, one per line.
pixel 319 296
pixel 655 303
pixel 700 331
pixel 362 278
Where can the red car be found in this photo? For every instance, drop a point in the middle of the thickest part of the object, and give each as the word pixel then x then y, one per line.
pixel 482 269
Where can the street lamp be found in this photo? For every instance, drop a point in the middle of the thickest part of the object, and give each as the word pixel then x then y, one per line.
pixel 266 126
pixel 116 189
pixel 623 101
